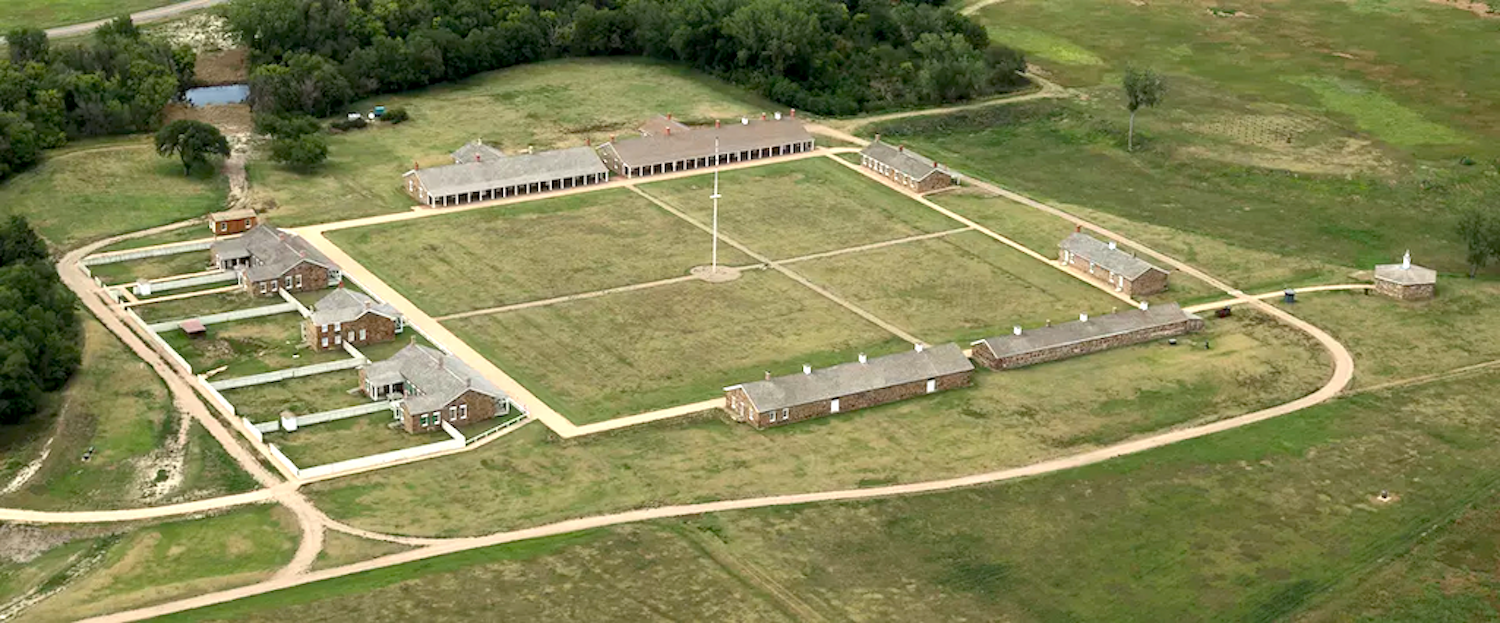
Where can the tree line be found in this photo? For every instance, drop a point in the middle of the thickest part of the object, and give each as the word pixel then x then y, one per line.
pixel 826 56
pixel 116 82
pixel 39 330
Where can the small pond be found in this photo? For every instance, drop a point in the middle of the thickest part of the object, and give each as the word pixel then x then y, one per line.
pixel 211 96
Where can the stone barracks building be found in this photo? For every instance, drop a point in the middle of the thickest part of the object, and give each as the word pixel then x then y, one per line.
pixel 1086 335
pixel 268 259
pixel 849 386
pixel 906 167
pixel 1406 281
pixel 666 146
pixel 432 387
pixel 348 317
pixel 1102 261
pixel 483 173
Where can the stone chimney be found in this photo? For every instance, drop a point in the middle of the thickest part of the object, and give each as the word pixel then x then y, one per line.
pixel 530 149
pixel 768 375
pixel 901 148
pixel 806 368
pixel 669 116
pixel 877 137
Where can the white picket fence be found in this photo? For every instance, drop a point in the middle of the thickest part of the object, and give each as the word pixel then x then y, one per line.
pixel 515 421
pixel 254 429
pixel 456 442
pixel 190 282
pixel 342 414
pixel 148 252
pixel 301 309
pixel 289 373
pixel 217 398
pixel 243 314
pixel 278 455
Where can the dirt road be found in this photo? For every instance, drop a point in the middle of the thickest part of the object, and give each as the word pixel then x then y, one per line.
pixel 141 17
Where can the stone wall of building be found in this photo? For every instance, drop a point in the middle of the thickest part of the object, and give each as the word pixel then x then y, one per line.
pixel 1405 293
pixel 314 277
pixel 851 402
pixel 1152 282
pixel 370 328
pixel 987 358
pixel 481 407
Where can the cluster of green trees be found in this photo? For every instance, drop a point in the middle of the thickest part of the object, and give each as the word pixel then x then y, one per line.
pixel 39 330
pixel 114 83
pixel 827 56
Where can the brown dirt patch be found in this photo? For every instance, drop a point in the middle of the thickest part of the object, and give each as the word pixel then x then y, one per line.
pixel 1284 141
pixel 1478 8
pixel 223 67
pixel 229 118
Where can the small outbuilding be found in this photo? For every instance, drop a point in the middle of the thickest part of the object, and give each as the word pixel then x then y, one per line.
pixel 194 328
pixel 348 317
pixel 906 167
pixel 1406 281
pixel 846 387
pixel 232 221
pixel 1101 261
pixel 1087 335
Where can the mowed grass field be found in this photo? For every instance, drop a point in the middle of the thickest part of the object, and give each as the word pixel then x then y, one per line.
pixel 532 251
pixel 629 352
pixel 116 405
pixel 960 288
pixel 152 268
pixel 91 190
pixel 302 396
pixel 1004 420
pixel 49 13
pixel 202 305
pixel 1342 145
pixel 791 209
pixel 1276 521
pixel 351 438
pixel 548 105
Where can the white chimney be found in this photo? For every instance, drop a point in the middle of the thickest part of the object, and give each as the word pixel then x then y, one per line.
pixel 1016 330
pixel 806 369
pixel 744 121
pixel 1083 317
pixel 1406 260
pixel 778 116
pixel 863 359
pixel 1111 245
pixel 919 348
pixel 1145 305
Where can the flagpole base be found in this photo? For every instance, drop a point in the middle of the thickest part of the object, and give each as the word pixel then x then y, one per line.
pixel 721 274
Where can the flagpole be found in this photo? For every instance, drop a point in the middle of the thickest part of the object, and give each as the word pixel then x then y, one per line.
pixel 715 197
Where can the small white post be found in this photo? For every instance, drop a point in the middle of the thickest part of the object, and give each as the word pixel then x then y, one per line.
pixel 1406 260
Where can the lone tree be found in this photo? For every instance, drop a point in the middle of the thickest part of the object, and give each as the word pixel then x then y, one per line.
pixel 193 141
pixel 1480 230
pixel 1143 89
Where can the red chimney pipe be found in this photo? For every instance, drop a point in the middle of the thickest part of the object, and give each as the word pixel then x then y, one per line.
pixel 763 116
pixel 589 141
pixel 415 166
pixel 716 123
pixel 794 113
pixel 669 131
pixel 669 116
pixel 477 158
pixel 902 148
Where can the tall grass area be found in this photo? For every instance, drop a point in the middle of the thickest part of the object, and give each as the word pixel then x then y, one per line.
pixel 93 190
pixel 543 106
pixel 1255 524
pixel 117 406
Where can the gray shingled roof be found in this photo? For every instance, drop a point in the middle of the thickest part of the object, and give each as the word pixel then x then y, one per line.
pixel 659 125
pixel 232 215
pixel 904 160
pixel 272 252
pixel 854 377
pixel 1416 275
pixel 1031 340
pixel 345 305
pixel 1113 260
pixel 434 378
pixel 733 137
pixel 465 154
pixel 517 170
